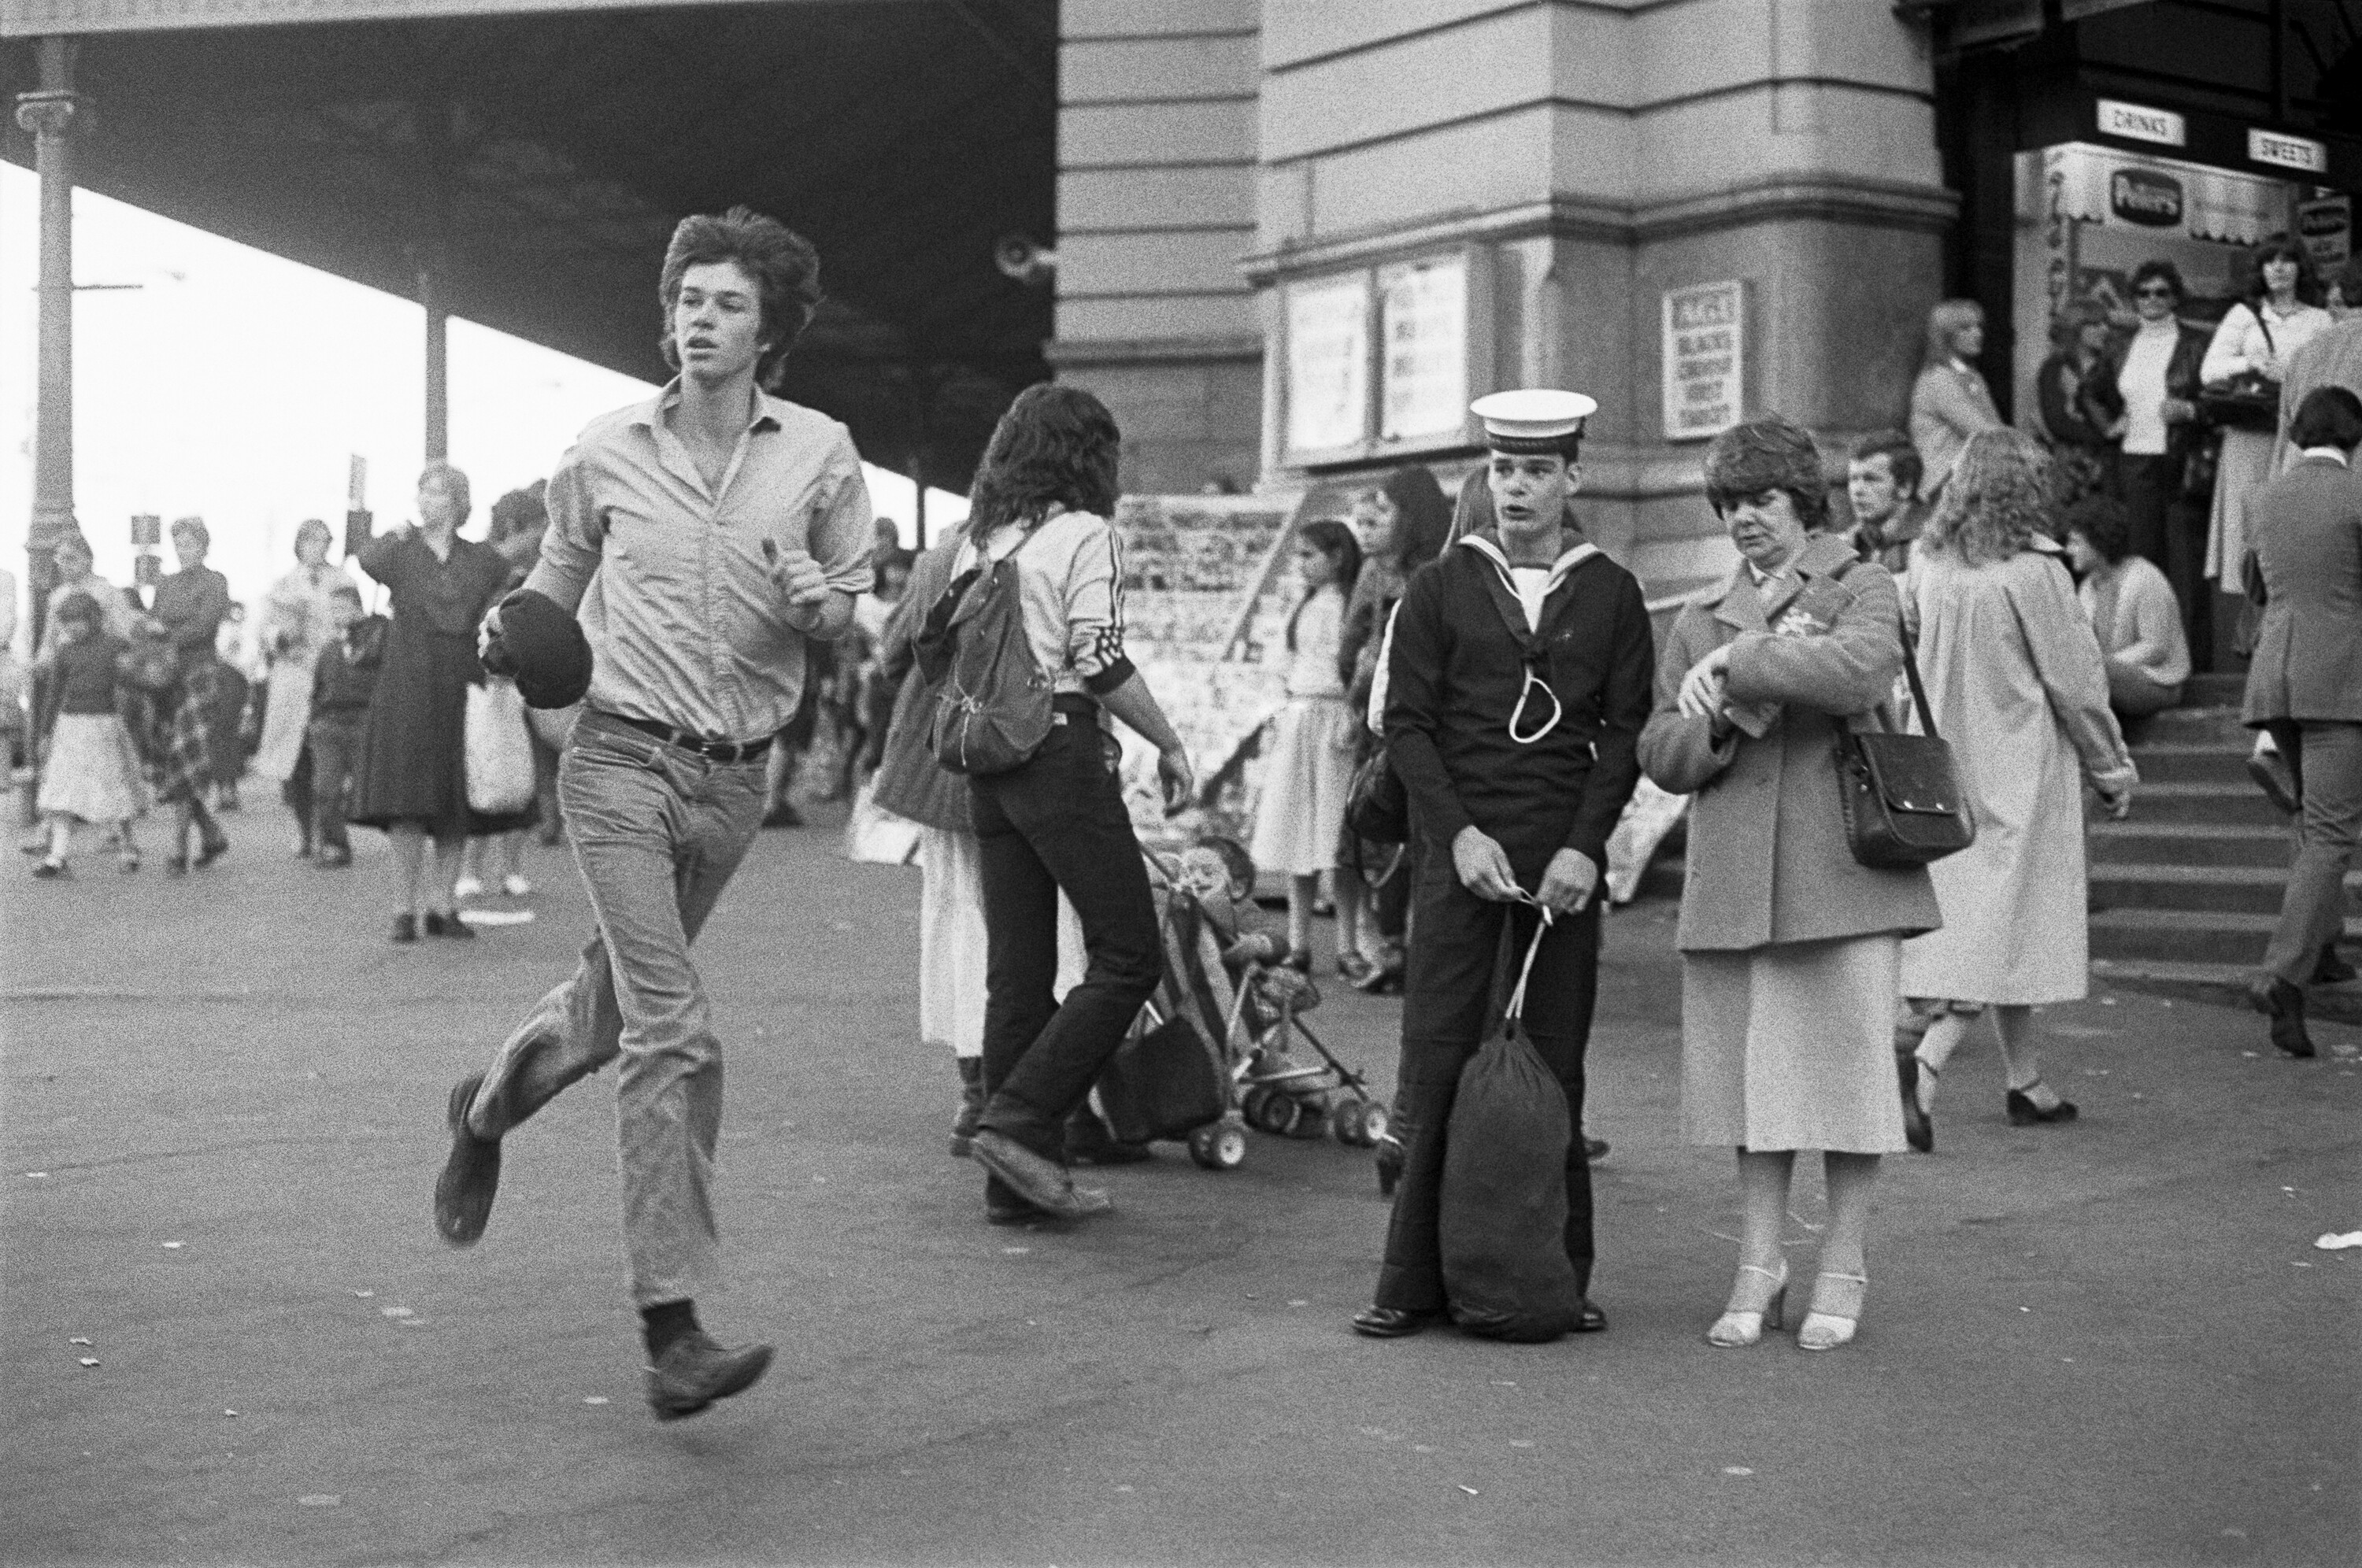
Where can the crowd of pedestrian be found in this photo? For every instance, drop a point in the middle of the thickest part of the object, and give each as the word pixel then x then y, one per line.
pixel 675 629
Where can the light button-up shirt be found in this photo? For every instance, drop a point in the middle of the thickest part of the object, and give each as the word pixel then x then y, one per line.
pixel 685 625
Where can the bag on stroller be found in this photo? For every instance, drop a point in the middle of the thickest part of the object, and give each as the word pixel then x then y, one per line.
pixel 1503 1208
pixel 1168 1078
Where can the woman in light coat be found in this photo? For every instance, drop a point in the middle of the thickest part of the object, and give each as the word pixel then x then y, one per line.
pixel 2259 336
pixel 1790 947
pixel 297 622
pixel 2015 679
pixel 1950 402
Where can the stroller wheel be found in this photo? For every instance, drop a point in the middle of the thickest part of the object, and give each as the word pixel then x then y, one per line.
pixel 1373 1122
pixel 1250 1104
pixel 1219 1147
pixel 1276 1113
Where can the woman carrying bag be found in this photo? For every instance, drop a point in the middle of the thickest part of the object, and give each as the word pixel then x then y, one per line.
pixel 1790 946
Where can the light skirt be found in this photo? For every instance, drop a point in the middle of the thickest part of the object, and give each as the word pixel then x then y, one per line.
pixel 1793 1046
pixel 92 772
pixel 952 942
pixel 285 713
pixel 1304 785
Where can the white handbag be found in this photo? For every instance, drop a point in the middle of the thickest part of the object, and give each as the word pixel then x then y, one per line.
pixel 499 749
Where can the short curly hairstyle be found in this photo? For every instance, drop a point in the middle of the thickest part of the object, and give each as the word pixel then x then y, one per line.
pixel 1996 502
pixel 1768 453
pixel 2103 521
pixel 782 263
pixel 1055 449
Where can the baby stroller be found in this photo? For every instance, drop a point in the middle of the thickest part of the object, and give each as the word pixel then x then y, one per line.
pixel 1208 1056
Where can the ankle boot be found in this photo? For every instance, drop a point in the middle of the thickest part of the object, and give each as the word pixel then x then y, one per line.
pixel 971 1072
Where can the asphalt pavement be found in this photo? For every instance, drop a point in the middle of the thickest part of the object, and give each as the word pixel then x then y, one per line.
pixel 231 1334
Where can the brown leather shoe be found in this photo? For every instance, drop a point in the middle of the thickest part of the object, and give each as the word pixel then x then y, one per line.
pixel 472 1175
pixel 1042 1183
pixel 694 1370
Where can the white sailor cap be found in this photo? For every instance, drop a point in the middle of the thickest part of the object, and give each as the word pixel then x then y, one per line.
pixel 1538 420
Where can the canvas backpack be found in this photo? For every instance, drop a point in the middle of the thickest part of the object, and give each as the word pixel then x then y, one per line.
pixel 992 696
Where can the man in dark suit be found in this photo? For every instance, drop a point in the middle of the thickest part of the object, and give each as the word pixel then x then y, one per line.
pixel 2304 685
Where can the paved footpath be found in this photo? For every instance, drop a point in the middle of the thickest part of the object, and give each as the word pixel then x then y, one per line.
pixel 2109 1343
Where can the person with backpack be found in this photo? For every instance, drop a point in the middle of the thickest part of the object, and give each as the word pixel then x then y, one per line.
pixel 1518 681
pixel 707 537
pixel 1028 644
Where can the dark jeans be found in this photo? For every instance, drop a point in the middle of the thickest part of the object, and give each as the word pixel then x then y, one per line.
pixel 296 790
pixel 1058 823
pixel 333 747
pixel 1456 954
pixel 2173 535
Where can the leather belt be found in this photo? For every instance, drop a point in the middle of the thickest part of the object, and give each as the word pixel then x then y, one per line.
pixel 712 750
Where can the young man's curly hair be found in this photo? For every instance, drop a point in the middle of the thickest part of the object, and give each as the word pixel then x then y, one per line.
pixel 782 263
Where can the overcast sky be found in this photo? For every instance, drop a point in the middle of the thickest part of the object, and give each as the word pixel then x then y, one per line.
pixel 236 385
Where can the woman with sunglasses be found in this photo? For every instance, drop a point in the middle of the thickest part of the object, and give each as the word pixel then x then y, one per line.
pixel 2148 393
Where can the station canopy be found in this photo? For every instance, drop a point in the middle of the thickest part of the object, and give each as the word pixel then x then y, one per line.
pixel 532 156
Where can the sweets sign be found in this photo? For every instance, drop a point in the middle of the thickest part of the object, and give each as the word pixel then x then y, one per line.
pixel 1705 359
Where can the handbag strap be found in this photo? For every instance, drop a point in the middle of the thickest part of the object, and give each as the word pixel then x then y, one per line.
pixel 1910 658
pixel 1517 1007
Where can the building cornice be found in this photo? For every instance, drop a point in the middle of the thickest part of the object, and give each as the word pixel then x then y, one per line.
pixel 1084 351
pixel 1876 203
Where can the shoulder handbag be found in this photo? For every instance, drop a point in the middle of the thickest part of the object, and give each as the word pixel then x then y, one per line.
pixel 2248 401
pixel 1900 795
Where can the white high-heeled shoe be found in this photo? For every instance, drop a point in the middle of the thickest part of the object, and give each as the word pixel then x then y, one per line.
pixel 1826 1329
pixel 1739 1327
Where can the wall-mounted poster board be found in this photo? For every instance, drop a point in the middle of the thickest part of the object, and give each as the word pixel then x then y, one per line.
pixel 1423 348
pixel 1705 359
pixel 1327 366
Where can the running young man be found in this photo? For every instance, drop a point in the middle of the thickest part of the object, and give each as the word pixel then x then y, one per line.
pixel 704 536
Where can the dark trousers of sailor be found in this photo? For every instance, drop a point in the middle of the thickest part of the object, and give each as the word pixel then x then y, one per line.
pixel 1453 990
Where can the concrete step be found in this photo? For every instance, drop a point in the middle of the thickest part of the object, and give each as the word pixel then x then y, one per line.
pixel 2186 936
pixel 2222 984
pixel 2221 805
pixel 2213 690
pixel 2239 890
pixel 2187 726
pixel 2141 843
pixel 2192 764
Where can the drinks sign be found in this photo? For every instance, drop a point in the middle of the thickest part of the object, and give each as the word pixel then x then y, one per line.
pixel 2138 122
pixel 1705 359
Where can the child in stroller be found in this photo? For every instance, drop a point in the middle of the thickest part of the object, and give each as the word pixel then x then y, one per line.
pixel 1272 1090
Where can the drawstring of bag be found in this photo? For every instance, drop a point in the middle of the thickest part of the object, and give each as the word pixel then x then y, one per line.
pixel 1558 710
pixel 1516 1007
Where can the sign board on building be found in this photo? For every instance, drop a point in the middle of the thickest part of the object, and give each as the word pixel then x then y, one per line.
pixel 1705 359
pixel 2325 224
pixel 1328 363
pixel 1423 330
pixel 2297 152
pixel 2138 122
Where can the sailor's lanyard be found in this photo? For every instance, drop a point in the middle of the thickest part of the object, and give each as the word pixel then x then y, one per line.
pixel 1516 1007
pixel 1525 692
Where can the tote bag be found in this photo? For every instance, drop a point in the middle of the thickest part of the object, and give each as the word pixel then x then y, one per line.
pixel 499 749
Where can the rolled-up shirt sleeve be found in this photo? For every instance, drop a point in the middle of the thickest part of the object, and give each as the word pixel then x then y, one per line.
pixel 1095 613
pixel 844 529
pixel 577 535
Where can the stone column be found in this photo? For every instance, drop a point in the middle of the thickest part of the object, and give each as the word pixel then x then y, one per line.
pixel 48 113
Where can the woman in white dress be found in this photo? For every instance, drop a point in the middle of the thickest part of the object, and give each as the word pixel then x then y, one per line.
pixel 1302 812
pixel 297 622
pixel 2258 335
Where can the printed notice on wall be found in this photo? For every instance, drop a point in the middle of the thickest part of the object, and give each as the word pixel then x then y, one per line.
pixel 1705 359
pixel 1329 363
pixel 1423 322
